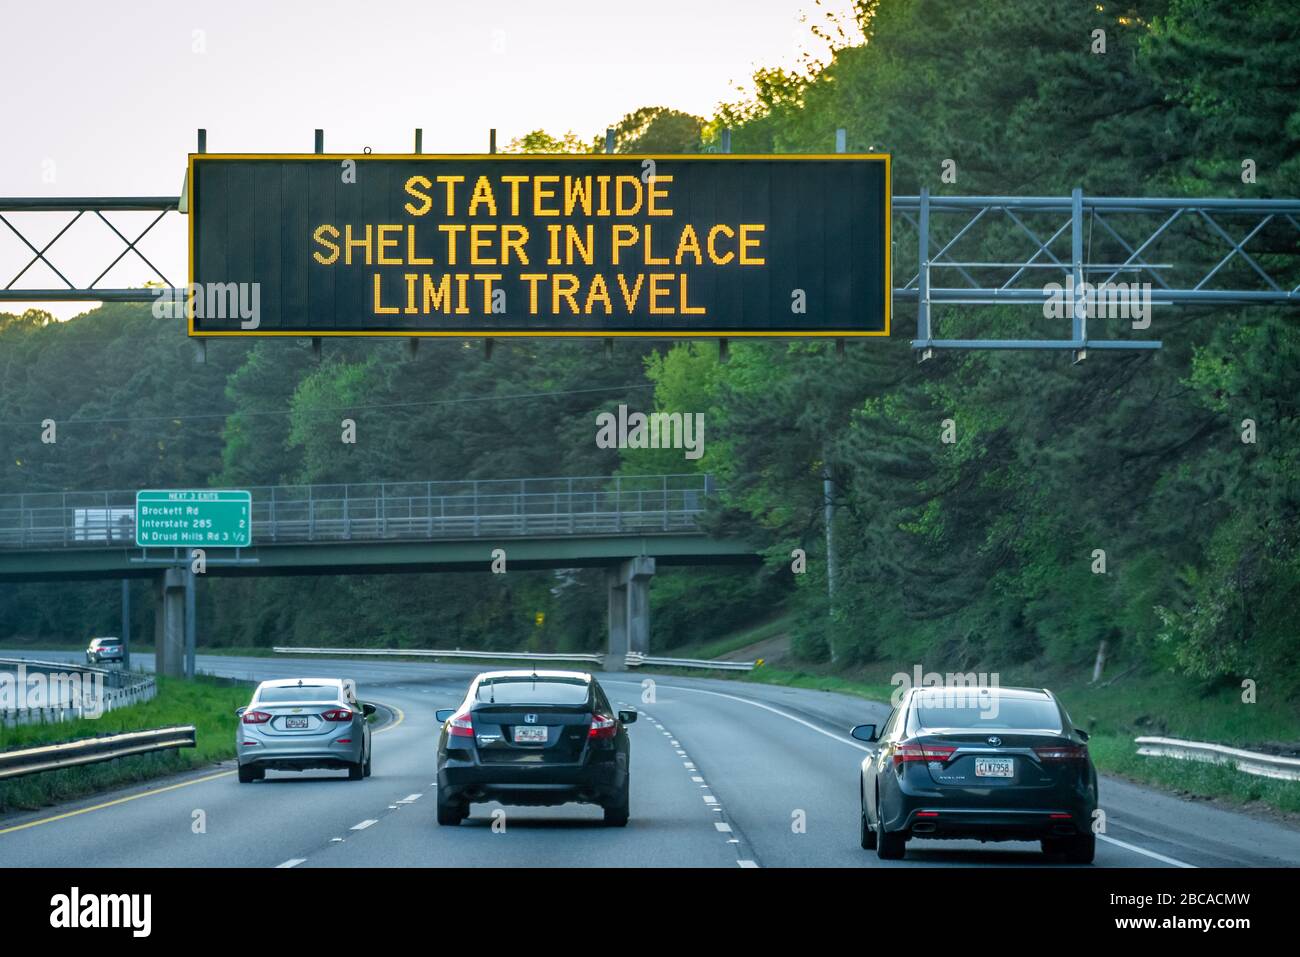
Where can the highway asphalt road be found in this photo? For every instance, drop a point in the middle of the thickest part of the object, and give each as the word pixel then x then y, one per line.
pixel 724 774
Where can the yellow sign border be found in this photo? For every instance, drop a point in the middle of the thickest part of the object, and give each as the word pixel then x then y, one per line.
pixel 562 333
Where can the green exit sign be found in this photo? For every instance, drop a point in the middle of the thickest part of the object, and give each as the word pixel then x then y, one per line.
pixel 193 518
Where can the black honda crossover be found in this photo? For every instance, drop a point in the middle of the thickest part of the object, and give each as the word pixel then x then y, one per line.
pixel 534 737
pixel 993 764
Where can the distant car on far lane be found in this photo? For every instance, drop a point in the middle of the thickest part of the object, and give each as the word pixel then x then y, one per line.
pixel 103 649
pixel 297 724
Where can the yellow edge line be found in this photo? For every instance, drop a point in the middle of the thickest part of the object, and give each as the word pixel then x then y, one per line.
pixel 98 807
pixel 401 716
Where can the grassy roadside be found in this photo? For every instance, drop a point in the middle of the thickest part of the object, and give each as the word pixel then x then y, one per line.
pixel 1114 715
pixel 206 703
pixel 717 647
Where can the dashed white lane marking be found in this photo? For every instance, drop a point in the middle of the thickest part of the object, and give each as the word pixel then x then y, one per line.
pixel 409 798
pixel 336 840
pixel 722 827
pixel 364 824
pixel 1143 851
pixel 292 862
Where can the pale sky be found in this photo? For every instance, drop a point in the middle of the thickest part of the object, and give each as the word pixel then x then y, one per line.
pixel 103 99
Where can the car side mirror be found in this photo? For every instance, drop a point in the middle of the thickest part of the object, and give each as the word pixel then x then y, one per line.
pixel 443 714
pixel 864 732
pixel 239 712
pixel 1081 733
pixel 627 717
pixel 368 709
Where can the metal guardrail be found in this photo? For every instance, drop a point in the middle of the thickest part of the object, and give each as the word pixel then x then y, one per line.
pixel 119 689
pixel 426 653
pixel 635 660
pixel 380 511
pixel 54 757
pixel 632 659
pixel 1251 762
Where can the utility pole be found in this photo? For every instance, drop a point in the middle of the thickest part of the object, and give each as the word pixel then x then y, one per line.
pixel 126 624
pixel 828 506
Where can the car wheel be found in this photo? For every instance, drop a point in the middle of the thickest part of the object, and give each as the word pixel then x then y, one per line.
pixel 369 759
pixel 866 832
pixel 890 845
pixel 1053 845
pixel 248 774
pixel 451 813
pixel 616 814
pixel 1081 849
pixel 356 771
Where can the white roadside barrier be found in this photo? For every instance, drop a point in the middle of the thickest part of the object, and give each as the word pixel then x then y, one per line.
pixel 1251 762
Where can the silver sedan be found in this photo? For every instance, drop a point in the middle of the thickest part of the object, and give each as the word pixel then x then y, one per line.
pixel 296 724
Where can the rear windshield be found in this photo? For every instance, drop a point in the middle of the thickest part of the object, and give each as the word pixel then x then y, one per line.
pixel 306 694
pixel 965 708
pixel 533 691
pixel 102 642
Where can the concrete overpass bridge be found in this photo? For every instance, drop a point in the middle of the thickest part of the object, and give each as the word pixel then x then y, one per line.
pixel 628 525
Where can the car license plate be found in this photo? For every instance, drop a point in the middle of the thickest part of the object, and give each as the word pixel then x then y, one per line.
pixel 295 722
pixel 527 735
pixel 995 768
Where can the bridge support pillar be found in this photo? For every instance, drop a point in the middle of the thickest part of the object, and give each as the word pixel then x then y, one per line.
pixel 159 627
pixel 629 610
pixel 170 643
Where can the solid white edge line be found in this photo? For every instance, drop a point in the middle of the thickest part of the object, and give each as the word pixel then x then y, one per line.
pixel 1144 852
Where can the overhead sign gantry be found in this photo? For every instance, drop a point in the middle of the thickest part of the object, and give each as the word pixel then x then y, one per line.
pixel 667 246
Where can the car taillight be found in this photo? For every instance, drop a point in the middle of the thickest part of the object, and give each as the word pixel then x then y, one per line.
pixel 337 714
pixel 256 717
pixel 919 751
pixel 1063 752
pixel 602 727
pixel 461 725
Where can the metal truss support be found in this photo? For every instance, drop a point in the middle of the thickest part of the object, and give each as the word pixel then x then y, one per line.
pixel 969 251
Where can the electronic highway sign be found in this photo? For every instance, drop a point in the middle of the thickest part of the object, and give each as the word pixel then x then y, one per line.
pixel 600 245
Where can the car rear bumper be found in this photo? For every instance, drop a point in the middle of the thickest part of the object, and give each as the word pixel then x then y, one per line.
pixel 920 809
pixel 297 755
pixel 535 784
pixel 994 824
